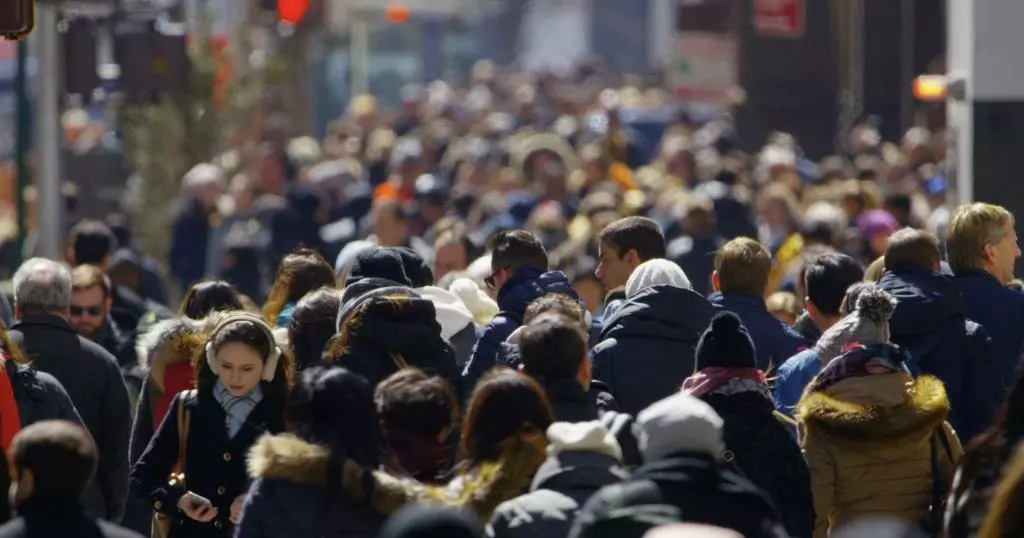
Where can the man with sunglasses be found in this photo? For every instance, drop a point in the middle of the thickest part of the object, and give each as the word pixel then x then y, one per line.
pixel 91 302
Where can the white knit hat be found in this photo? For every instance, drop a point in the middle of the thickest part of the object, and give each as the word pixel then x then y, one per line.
pixel 657 272
pixel 679 423
pixel 868 324
pixel 582 437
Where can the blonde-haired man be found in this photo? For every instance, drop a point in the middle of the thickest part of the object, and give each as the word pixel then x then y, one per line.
pixel 982 247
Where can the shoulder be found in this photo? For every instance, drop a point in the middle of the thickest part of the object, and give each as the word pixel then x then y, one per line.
pixel 803 361
pixel 96 351
pixel 604 348
pixel 13 529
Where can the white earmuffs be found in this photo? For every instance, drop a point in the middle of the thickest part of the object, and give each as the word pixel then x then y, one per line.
pixel 270 362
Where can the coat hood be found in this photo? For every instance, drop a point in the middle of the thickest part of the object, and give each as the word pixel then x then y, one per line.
pixel 401 322
pixel 452 313
pixel 664 312
pixel 926 301
pixel 528 284
pixel 923 409
pixel 172 341
pixel 288 458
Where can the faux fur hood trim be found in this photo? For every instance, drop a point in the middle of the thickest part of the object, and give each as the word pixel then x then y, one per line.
pixel 924 409
pixel 286 457
pixel 173 341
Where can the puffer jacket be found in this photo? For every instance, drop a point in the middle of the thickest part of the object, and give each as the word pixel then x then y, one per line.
pixel 647 347
pixel 868 443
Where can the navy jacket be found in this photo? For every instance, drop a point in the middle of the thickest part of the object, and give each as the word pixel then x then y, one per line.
pixel 774 341
pixel 929 323
pixel 1001 311
pixel 647 347
pixel 526 285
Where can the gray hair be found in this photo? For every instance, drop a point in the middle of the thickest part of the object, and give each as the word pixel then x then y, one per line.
pixel 42 285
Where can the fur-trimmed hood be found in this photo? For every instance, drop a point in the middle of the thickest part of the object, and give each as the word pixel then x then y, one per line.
pixel 481 489
pixel 924 407
pixel 173 341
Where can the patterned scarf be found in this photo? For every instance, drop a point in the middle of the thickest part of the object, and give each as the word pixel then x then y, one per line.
pixel 711 379
pixel 858 360
pixel 236 408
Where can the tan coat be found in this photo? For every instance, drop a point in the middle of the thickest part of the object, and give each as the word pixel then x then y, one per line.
pixel 867 443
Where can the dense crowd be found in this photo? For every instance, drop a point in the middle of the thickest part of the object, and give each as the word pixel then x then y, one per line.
pixel 542 319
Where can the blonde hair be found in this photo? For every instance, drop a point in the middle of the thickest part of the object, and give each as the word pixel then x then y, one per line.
pixel 85 277
pixel 743 266
pixel 784 306
pixel 875 271
pixel 971 227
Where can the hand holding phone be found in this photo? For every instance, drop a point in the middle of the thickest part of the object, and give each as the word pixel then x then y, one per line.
pixel 197 507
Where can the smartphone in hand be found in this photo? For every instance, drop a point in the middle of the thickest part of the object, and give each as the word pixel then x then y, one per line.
pixel 198 501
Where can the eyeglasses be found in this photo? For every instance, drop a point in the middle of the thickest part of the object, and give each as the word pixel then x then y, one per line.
pixel 490 280
pixel 82 310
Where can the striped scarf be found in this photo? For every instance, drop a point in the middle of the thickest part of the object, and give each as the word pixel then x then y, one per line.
pixel 236 408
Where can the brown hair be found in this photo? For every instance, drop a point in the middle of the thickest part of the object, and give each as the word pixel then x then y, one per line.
pixel 248 333
pixel 743 266
pixel 85 277
pixel 634 233
pixel 505 403
pixel 912 247
pixel 60 454
pixel 972 227
pixel 298 273
pixel 413 401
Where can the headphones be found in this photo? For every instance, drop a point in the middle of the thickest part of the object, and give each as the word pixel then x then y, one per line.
pixel 269 366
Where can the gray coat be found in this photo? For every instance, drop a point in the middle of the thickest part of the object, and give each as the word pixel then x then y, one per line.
pixel 559 489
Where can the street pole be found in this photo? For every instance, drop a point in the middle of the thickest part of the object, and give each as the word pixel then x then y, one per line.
pixel 359 52
pixel 49 203
pixel 22 146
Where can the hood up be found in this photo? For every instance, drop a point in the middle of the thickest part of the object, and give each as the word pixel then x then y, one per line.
pixel 286 457
pixel 452 313
pixel 664 312
pixel 173 341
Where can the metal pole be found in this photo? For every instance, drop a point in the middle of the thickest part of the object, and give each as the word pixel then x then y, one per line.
pixel 49 210
pixel 23 144
pixel 360 52
pixel 907 38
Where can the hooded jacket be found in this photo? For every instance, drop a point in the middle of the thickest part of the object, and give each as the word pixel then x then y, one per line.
pixel 929 323
pixel 647 346
pixel 1001 311
pixel 525 285
pixel 868 443
pixel 774 341
pixel 457 325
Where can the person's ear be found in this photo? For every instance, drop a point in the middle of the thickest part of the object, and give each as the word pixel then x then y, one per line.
pixel 632 257
pixel 69 256
pixel 714 281
pixel 811 309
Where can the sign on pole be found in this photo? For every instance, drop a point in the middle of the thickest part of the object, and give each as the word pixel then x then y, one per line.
pixel 779 18
pixel 703 67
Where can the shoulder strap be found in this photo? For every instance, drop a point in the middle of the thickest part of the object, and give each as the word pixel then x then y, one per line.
pixel 184 420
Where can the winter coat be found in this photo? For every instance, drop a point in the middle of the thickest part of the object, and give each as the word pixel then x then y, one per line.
pixel 647 347
pixel 39 396
pixel 929 323
pixel 288 468
pixel 560 488
pixel 762 447
pixel 48 518
pixel 571 403
pixel 774 341
pixel 457 326
pixel 93 380
pixel 214 464
pixel 683 488
pixel 1000 311
pixel 793 377
pixel 868 442
pixel 526 285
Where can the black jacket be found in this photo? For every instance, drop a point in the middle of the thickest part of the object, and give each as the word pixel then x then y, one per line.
pixel 214 464
pixel 929 323
pixel 40 396
pixel 572 404
pixel 49 518
pixel 647 347
pixel 93 380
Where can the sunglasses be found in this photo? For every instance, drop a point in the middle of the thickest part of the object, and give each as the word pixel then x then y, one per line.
pixel 91 310
pixel 490 279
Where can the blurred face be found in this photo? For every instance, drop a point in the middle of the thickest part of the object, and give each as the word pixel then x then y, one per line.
pixel 89 310
pixel 388 228
pixel 1001 257
pixel 449 258
pixel 241 367
pixel 878 243
pixel 612 270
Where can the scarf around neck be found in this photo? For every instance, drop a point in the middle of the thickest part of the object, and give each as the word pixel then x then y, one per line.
pixel 236 408
pixel 859 360
pixel 711 379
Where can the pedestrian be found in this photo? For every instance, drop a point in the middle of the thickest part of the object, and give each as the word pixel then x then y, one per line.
pixel 312 325
pixel 647 345
pixel 201 187
pixel 90 315
pixel 37 395
pixel 622 246
pixel 242 381
pixel 53 462
pixel 89 373
pixel 299 273
pixel 418 414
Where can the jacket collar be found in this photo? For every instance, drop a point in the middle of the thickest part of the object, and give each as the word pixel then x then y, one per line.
pixel 577 470
pixel 978 274
pixel 43 320
pixel 751 301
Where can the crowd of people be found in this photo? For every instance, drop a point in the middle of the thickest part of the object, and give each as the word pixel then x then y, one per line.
pixel 493 316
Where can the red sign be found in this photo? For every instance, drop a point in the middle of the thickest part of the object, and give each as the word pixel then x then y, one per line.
pixel 779 18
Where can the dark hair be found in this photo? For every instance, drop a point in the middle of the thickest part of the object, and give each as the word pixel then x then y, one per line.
pixel 504 403
pixel 298 273
pixel 91 242
pixel 208 296
pixel 416 402
pixel 248 333
pixel 912 247
pixel 312 325
pixel 120 226
pixel 552 345
pixel 634 233
pixel 826 279
pixel 60 454
pixel 333 407
pixel 515 249
pixel 556 303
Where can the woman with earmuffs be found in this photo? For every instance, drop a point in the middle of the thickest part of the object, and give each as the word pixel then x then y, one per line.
pixel 242 382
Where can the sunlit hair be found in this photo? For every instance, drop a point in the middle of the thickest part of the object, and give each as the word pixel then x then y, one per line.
pixel 209 296
pixel 298 273
pixel 972 227
pixel 505 403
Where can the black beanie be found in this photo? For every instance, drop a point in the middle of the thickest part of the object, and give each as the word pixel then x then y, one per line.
pixel 726 344
pixel 377 262
pixel 416 268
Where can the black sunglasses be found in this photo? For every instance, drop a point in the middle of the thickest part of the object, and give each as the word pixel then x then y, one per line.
pixel 490 280
pixel 91 310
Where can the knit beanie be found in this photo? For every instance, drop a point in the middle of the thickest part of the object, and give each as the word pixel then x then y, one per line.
pixel 349 253
pixel 657 272
pixel 582 437
pixel 416 268
pixel 377 262
pixel 867 325
pixel 726 344
pixel 679 423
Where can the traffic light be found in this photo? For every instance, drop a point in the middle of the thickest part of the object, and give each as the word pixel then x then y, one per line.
pixel 80 74
pixel 152 63
pixel 291 11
